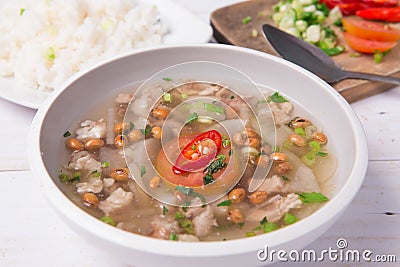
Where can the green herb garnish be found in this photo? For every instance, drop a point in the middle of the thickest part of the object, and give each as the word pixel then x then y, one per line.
pixel 213 108
pixel 264 220
pixel 246 20
pixel 167 97
pixel 225 141
pixel 193 117
pixel 21 11
pixel 95 173
pixel 108 220
pixel 184 96
pixel 250 234
pixel 208 179
pixel 215 166
pixel 276 98
pixel 105 164
pixel 63 177
pixel 230 152
pixel 185 223
pixel 50 53
pixel 283 177
pixel 290 218
pixel 164 210
pixel 322 154
pixel 241 224
pixel 269 227
pixel 173 237
pixel 142 170
pixel 309 158
pixel 67 133
pixel 146 130
pixel 76 177
pixel 225 203
pixel 184 190
pixel 168 79
pixel 300 131
pixel 314 145
pixel 131 126
pixel 312 197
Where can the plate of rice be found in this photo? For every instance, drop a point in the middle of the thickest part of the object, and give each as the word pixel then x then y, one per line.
pixel 43 43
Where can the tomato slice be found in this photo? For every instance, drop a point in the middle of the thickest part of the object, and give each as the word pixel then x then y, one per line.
pixel 370 30
pixel 388 14
pixel 367 46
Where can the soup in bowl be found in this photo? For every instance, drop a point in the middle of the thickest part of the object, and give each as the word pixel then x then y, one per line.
pixel 196 169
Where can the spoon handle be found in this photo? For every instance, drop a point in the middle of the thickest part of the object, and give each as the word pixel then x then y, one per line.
pixel 372 77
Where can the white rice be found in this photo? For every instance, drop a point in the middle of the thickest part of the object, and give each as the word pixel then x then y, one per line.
pixel 44 42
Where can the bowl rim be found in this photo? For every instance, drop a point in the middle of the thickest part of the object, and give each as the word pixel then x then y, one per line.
pixel 327 214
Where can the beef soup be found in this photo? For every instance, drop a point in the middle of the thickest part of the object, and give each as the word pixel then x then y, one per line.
pixel 181 166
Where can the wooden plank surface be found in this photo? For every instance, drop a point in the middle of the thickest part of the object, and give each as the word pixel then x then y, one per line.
pixel 229 29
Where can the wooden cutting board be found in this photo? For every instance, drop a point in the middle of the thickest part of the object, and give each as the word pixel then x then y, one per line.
pixel 229 29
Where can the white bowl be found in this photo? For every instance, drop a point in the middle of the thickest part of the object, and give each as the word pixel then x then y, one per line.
pixel 347 142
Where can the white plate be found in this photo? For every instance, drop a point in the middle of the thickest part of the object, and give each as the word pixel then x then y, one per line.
pixel 184 28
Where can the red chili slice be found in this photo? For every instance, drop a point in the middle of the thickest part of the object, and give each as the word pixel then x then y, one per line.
pixel 189 161
pixel 388 14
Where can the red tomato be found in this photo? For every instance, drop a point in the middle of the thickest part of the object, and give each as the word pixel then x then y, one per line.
pixel 388 14
pixel 351 8
pixel 381 3
pixel 367 46
pixel 370 30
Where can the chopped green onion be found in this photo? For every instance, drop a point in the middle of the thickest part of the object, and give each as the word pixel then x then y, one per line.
pixel 254 33
pixel 142 170
pixel 193 147
pixel 314 145
pixel 63 177
pixel 222 157
pixel 95 173
pixel 108 220
pixel 105 164
pixel 225 141
pixel 241 224
pixel 66 134
pixel 147 130
pixel 50 53
pixel 76 176
pixel 264 220
pixel 21 11
pixel 275 149
pixel 213 108
pixel 300 131
pixel 322 154
pixel 192 118
pixel 250 234
pixel 184 96
pixel 378 56
pixel 338 23
pixel 164 210
pixel 232 96
pixel 308 159
pixel 131 126
pixel 333 51
pixel 355 55
pixel 230 153
pixel 167 97
pixel 269 227
pixel 312 197
pixel 224 203
pixel 290 218
pixel 246 20
pixel 168 79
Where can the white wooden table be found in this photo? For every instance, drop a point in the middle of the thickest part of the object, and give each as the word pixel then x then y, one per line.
pixel 31 234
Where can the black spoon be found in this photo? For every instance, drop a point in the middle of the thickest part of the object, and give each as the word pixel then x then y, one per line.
pixel 314 59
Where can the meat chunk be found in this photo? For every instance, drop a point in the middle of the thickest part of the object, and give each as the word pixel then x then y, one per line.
pixel 275 210
pixel 281 112
pixel 91 129
pixel 163 226
pixel 116 201
pixel 94 185
pixel 202 217
pixel 83 160
pixel 274 184
pixel 188 238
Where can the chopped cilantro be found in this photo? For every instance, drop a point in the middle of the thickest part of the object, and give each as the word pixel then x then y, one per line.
pixel 208 179
pixel 215 166
pixel 185 223
pixel 164 210
pixel 264 220
pixel 66 134
pixel 284 178
pixel 312 197
pixel 50 53
pixel 220 156
pixel 63 177
pixel 146 130
pixel 213 108
pixel 95 173
pixel 224 203
pixel 142 170
pixel 241 224
pixel 76 177
pixel 173 237
pixel 277 98
pixel 232 96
